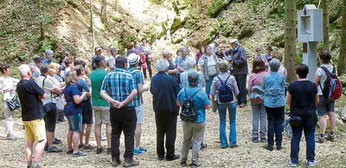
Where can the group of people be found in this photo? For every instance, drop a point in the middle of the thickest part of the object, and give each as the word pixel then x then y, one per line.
pixel 112 94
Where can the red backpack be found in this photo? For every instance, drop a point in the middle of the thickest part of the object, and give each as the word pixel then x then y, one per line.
pixel 332 86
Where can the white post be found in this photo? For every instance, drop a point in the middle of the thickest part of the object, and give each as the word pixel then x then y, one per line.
pixel 310 59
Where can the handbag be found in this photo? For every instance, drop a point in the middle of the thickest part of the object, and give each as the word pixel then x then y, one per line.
pixel 13 103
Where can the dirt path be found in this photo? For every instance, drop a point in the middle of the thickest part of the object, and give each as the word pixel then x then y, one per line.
pixel 247 155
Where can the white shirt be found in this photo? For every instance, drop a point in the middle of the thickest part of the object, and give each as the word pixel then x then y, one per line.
pixel 49 86
pixel 8 83
pixel 320 72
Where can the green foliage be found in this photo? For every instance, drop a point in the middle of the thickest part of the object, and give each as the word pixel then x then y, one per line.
pixel 157 1
pixel 48 44
pixel 216 7
pixel 45 19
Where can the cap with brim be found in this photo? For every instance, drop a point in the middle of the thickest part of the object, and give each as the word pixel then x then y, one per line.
pixel 133 59
pixel 269 48
pixel 98 48
pixel 233 41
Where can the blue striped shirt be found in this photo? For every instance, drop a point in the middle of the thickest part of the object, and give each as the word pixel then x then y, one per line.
pixel 138 78
pixel 119 85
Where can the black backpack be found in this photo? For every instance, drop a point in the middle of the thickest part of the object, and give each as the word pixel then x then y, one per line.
pixel 189 111
pixel 225 93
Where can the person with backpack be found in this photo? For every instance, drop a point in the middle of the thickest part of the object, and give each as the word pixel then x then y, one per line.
pixel 193 101
pixel 324 77
pixel 302 99
pixel 274 101
pixel 224 88
pixel 256 99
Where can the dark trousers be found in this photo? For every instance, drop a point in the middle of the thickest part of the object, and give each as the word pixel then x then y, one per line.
pixel 166 124
pixel 275 118
pixel 241 83
pixel 123 120
pixel 309 125
pixel 149 70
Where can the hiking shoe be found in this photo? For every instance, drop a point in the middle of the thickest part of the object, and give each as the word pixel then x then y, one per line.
pixel 116 162
pixel 321 138
pixel 79 153
pixel 142 149
pixel 263 140
pixel 53 149
pixel 88 147
pixel 131 163
pixel 233 146
pixel 255 140
pixel 137 152
pixel 293 164
pixel 203 145
pixel 183 164
pixel 56 141
pixel 270 148
pixel 175 157
pixel 194 165
pixel 109 151
pixel 278 147
pixel 330 136
pixel 311 163
pixel 99 150
pixel 11 137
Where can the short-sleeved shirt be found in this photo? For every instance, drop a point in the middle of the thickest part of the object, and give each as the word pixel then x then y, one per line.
pixel 200 100
pixel 96 78
pixel 49 86
pixel 119 85
pixel 303 94
pixel 138 78
pixel 320 72
pixel 28 94
pixel 82 86
pixel 71 107
pixel 8 83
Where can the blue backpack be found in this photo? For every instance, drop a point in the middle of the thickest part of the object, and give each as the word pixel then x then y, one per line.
pixel 225 93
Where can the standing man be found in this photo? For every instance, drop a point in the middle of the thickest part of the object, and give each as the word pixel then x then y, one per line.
pixel 240 70
pixel 100 105
pixel 30 95
pixel 35 67
pixel 165 90
pixel 111 59
pixel 138 100
pixel 119 88
pixel 98 52
pixel 45 82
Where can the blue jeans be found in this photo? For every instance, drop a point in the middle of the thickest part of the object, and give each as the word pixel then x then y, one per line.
pixel 309 126
pixel 259 120
pixel 276 117
pixel 232 109
pixel 209 82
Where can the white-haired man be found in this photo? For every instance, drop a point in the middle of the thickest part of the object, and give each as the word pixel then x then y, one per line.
pixel 30 95
pixel 165 90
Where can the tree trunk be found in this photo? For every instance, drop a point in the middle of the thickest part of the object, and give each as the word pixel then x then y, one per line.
pixel 41 24
pixel 342 53
pixel 104 11
pixel 116 5
pixel 92 25
pixel 290 39
pixel 325 6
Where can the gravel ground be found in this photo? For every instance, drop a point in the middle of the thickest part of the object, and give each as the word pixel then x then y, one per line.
pixel 248 154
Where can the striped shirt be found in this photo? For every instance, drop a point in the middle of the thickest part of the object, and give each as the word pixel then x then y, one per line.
pixel 119 85
pixel 138 78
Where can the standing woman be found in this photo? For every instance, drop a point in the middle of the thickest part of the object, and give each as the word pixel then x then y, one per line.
pixel 200 53
pixel 273 86
pixel 302 98
pixel 208 65
pixel 229 80
pixel 256 99
pixel 8 91
pixel 73 112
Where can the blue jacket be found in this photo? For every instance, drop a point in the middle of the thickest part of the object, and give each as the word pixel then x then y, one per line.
pixel 273 85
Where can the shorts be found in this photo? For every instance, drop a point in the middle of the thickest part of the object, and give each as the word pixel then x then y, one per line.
pixel 50 121
pixel 75 122
pixel 140 114
pixel 102 115
pixel 35 130
pixel 87 113
pixel 324 106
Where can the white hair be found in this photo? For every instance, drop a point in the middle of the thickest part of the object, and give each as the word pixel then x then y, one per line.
pixel 24 70
pixel 274 65
pixel 162 65
pixel 190 63
pixel 165 52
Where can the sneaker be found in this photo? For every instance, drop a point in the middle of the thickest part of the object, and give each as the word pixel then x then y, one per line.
pixel 109 151
pixel 293 164
pixel 79 153
pixel 278 147
pixel 11 137
pixel 255 140
pixel 131 163
pixel 311 163
pixel 175 157
pixel 142 149
pixel 330 136
pixel 88 147
pixel 233 146
pixel 321 138
pixel 56 141
pixel 203 145
pixel 53 149
pixel 99 150
pixel 270 148
pixel 183 164
pixel 194 165
pixel 263 140
pixel 137 152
